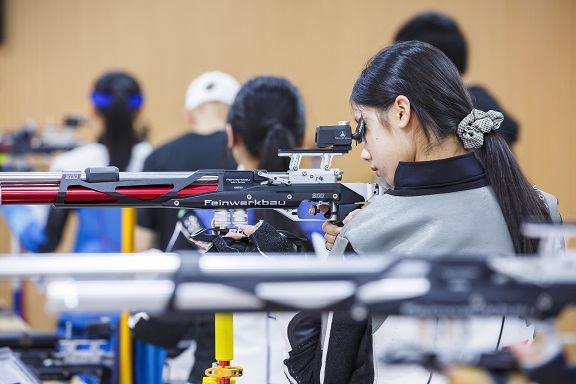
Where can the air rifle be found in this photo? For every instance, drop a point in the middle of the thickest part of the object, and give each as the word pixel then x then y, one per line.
pixel 27 139
pixel 221 190
pixel 204 189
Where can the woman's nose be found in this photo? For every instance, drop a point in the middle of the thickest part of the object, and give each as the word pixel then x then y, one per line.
pixel 365 155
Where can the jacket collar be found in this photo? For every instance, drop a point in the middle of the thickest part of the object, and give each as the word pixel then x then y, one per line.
pixel 438 173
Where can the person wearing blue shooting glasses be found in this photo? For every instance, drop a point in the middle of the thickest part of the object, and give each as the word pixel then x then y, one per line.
pixel 117 101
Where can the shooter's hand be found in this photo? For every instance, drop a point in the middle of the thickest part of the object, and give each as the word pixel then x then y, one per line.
pixel 244 231
pixel 263 238
pixel 331 230
pixel 239 235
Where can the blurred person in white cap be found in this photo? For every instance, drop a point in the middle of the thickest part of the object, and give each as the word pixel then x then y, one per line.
pixel 203 146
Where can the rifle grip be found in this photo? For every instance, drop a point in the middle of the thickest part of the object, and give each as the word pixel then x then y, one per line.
pixel 343 211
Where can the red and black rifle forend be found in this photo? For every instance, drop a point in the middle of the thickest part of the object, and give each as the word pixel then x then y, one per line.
pixel 103 186
pixel 203 189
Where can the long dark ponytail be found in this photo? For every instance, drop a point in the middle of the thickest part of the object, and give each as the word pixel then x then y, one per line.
pixel 117 96
pixel 440 100
pixel 268 115
pixel 518 198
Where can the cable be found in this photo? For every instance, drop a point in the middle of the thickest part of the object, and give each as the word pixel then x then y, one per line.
pixel 501 330
pixel 178 228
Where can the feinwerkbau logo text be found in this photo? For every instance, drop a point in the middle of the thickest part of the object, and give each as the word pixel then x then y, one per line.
pixel 225 203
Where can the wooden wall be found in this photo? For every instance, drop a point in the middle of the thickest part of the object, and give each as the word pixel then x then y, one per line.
pixel 524 51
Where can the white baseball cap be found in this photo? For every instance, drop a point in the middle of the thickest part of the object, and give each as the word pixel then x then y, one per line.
pixel 209 87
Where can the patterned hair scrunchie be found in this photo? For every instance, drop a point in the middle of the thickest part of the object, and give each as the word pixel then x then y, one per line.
pixel 473 127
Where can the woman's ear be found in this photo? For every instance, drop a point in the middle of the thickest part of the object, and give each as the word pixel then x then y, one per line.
pixel 96 112
pixel 137 113
pixel 402 109
pixel 230 134
pixel 190 118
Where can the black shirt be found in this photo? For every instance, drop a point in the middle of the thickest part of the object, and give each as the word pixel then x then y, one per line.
pixel 187 153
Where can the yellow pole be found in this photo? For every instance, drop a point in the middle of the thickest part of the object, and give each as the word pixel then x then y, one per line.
pixel 126 364
pixel 224 337
pixel 125 350
pixel 223 372
pixel 128 224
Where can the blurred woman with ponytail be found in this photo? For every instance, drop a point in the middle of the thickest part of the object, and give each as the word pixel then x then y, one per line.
pixel 117 100
pixel 267 115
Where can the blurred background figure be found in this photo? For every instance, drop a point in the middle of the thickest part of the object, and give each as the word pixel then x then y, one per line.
pixel 117 100
pixel 444 33
pixel 203 146
pixel 267 115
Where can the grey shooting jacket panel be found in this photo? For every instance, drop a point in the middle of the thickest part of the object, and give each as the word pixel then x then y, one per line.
pixel 454 223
